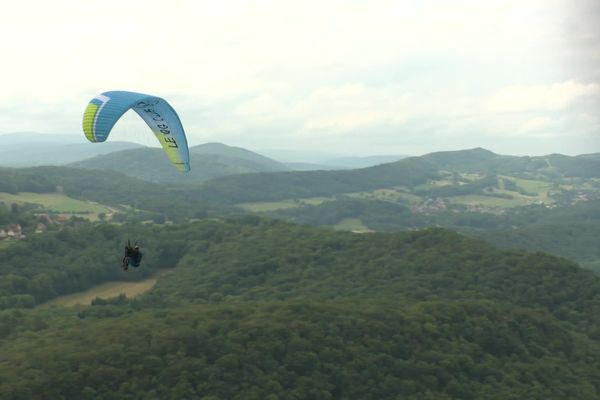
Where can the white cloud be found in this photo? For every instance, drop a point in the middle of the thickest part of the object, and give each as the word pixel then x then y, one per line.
pixel 330 109
pixel 533 125
pixel 288 72
pixel 552 97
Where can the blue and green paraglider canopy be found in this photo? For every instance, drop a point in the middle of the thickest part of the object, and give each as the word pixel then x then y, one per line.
pixel 104 110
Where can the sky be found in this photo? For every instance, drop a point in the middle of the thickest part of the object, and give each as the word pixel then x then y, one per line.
pixel 347 77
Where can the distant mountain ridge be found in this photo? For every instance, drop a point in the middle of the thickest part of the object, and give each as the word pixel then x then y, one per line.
pixel 212 160
pixel 485 161
pixel 298 184
pixel 253 160
pixel 28 149
pixel 406 172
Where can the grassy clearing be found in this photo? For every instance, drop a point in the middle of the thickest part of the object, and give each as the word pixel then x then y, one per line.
pixel 265 206
pixel 352 225
pixel 315 201
pixel 57 203
pixel 434 184
pixel 532 186
pixel 105 291
pixel 268 205
pixel 470 176
pixel 592 265
pixel 393 195
pixel 409 198
pixel 491 201
pixel 592 183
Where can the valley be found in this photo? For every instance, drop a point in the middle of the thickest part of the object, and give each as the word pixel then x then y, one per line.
pixel 288 200
pixel 384 261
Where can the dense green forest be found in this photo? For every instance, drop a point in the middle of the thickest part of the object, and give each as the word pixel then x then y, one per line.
pixel 291 350
pixel 569 231
pixel 259 309
pixel 572 232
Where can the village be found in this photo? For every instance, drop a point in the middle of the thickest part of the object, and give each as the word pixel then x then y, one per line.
pixel 36 223
pixel 15 231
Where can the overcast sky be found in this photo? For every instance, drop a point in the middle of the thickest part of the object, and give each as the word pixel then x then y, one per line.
pixel 349 77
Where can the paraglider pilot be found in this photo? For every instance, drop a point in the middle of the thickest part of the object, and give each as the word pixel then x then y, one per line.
pixel 133 256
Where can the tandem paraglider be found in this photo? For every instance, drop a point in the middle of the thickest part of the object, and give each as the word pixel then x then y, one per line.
pixel 104 110
pixel 133 256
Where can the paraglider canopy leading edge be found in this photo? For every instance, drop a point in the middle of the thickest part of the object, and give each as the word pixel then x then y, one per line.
pixel 104 110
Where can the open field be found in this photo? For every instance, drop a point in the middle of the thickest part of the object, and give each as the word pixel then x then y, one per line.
pixel 532 192
pixel 593 265
pixel 352 224
pixel 105 291
pixel 390 194
pixel 489 201
pixel 265 206
pixel 58 203
pixel 268 205
pixel 470 176
pixel 431 184
pixel 533 186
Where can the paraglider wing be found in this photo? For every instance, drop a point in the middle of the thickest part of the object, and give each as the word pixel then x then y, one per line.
pixel 104 110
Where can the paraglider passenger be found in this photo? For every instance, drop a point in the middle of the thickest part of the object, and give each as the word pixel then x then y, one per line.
pixel 133 256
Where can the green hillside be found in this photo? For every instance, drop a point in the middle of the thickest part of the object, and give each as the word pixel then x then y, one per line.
pixel 208 161
pixel 147 199
pixel 301 184
pixel 495 180
pixel 234 175
pixel 259 309
pixel 254 161
pixel 571 231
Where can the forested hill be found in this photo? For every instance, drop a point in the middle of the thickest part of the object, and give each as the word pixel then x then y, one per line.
pixel 260 162
pixel 484 161
pixel 591 156
pixel 571 231
pixel 259 309
pixel 110 188
pixel 248 258
pixel 240 176
pixel 211 160
pixel 298 184
pixel 408 173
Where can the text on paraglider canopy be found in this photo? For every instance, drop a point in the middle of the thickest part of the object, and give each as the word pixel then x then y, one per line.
pixel 161 125
pixel 172 141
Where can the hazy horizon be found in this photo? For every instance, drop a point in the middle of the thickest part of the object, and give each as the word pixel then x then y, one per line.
pixel 348 78
pixel 278 154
